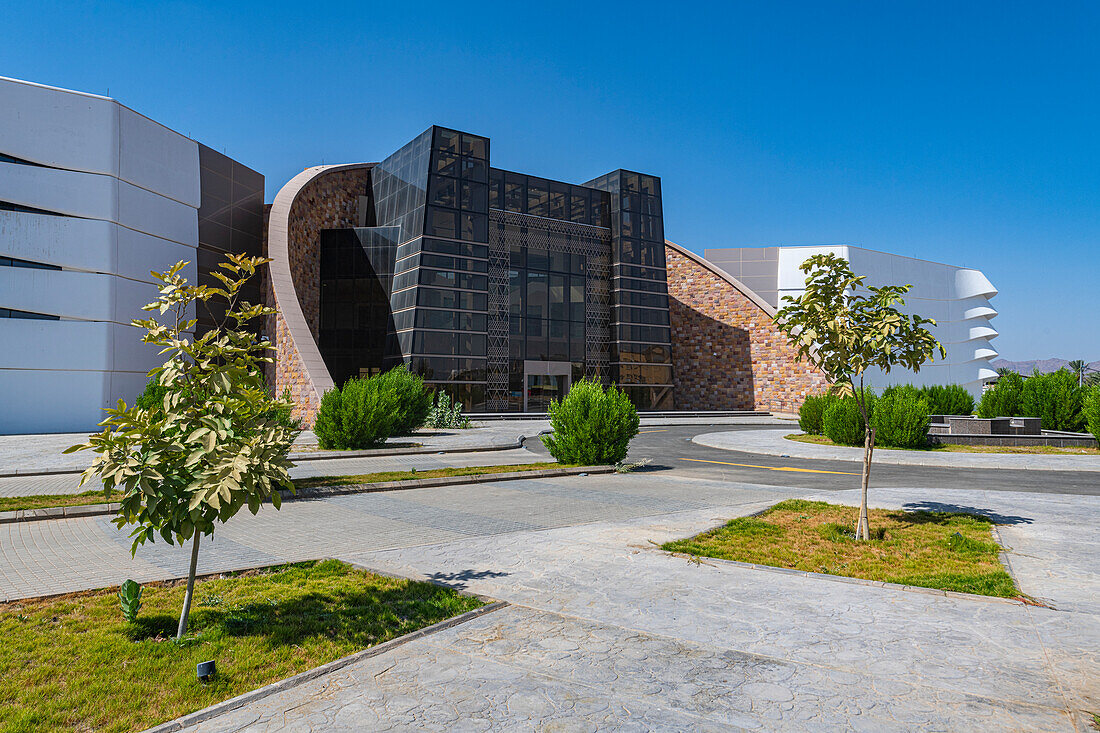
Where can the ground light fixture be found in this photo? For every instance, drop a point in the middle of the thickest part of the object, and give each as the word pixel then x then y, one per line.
pixel 205 671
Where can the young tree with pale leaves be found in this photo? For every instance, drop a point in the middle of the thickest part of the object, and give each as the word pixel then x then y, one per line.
pixel 215 443
pixel 843 328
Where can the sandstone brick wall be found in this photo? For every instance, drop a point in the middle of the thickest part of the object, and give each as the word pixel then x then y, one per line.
pixel 328 201
pixel 726 351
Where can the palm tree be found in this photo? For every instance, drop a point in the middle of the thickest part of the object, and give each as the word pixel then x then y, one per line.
pixel 1078 367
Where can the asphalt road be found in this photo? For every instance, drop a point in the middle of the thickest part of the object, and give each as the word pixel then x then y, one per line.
pixel 670 449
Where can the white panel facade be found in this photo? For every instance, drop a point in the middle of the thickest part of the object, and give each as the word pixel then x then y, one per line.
pixel 123 195
pixel 957 298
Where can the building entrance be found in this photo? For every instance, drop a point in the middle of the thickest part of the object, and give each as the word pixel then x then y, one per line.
pixel 544 381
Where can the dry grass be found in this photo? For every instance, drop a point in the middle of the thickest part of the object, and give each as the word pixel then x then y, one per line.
pixel 928 549
pixel 72 663
pixel 953 448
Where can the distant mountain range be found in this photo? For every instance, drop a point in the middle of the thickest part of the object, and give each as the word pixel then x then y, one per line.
pixel 1043 365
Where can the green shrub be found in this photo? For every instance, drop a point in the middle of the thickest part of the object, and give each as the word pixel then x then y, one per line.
pixel 812 413
pixel 948 399
pixel 446 413
pixel 412 401
pixel 843 422
pixel 1054 397
pixel 1091 410
pixel 153 395
pixel 1003 398
pixel 900 419
pixel 592 426
pixel 361 415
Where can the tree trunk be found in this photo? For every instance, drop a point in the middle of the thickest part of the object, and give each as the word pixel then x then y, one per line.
pixel 191 587
pixel 863 526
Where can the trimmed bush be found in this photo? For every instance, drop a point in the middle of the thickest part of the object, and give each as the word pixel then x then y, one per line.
pixel 153 395
pixel 948 399
pixel 1091 410
pixel 1003 398
pixel 812 413
pixel 413 402
pixel 843 423
pixel 361 415
pixel 592 426
pixel 1054 397
pixel 900 419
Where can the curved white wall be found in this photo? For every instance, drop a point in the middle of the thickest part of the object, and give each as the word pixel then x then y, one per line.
pixel 123 194
pixel 957 298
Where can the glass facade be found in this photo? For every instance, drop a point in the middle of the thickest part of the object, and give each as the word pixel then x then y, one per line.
pixel 498 287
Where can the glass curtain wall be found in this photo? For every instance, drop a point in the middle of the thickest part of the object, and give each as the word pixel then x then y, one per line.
pixel 641 361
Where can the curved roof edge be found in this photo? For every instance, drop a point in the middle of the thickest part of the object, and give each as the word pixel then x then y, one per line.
pixel 282 281
pixel 740 286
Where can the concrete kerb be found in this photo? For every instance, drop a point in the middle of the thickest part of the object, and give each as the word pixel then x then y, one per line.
pixel 771 442
pixel 337 664
pixel 320 492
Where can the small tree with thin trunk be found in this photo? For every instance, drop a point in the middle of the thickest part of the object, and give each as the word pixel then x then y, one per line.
pixel 844 328
pixel 215 443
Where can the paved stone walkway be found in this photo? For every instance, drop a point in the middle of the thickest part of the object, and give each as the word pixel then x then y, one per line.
pixel 770 442
pixel 606 631
pixel 67 483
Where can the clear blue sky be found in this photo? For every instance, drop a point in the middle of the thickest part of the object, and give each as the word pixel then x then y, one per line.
pixel 966 133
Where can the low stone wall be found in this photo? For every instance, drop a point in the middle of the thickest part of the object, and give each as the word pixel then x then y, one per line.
pixel 1013 441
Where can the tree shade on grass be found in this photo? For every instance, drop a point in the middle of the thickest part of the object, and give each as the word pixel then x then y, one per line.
pixel 73 664
pixel 949 551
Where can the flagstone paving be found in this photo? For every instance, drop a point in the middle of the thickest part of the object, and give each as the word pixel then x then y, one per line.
pixel 606 631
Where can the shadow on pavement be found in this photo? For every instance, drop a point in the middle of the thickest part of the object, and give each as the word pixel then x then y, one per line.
pixel 460 579
pixel 996 518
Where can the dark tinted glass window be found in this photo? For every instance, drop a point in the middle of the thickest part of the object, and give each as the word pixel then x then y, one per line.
pixel 442 223
pixel 538 197
pixel 444 192
pixel 559 304
pixel 536 294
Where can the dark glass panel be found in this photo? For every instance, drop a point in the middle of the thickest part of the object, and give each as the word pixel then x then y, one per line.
pixel 444 192
pixel 477 147
pixel 515 193
pixel 536 294
pixel 475 170
pixel 559 201
pixel 578 207
pixel 559 306
pixel 537 259
pixel 474 227
pixel 559 261
pixel 538 197
pixel 474 196
pixel 516 282
pixel 442 223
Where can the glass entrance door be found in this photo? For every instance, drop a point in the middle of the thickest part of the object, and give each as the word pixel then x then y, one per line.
pixel 541 388
pixel 544 381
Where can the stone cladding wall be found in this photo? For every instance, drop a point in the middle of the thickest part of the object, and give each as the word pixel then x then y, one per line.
pixel 727 353
pixel 329 201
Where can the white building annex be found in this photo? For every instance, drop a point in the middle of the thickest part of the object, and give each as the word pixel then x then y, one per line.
pixel 958 298
pixel 92 197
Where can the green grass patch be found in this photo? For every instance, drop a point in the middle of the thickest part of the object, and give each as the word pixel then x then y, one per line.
pixel 953 448
pixel 14 503
pixel 72 663
pixel 949 551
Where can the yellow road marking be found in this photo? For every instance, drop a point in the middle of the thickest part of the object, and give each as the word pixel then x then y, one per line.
pixel 772 468
pixel 652 431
